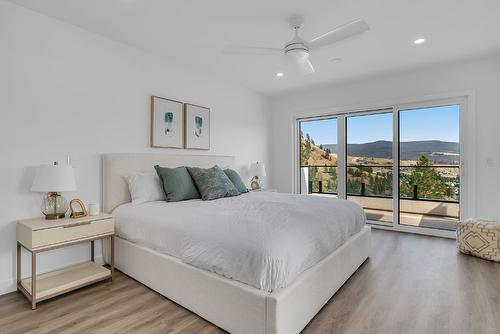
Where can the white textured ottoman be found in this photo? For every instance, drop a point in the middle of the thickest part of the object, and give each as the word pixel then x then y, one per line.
pixel 479 238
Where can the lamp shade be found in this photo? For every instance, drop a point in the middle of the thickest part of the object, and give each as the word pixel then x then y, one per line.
pixel 258 169
pixel 54 178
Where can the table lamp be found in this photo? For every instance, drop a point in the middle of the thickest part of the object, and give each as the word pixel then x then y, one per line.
pixel 52 180
pixel 258 170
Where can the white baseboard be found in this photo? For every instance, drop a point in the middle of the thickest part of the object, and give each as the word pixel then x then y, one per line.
pixel 9 285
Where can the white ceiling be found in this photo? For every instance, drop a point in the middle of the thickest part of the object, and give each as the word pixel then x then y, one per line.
pixel 194 32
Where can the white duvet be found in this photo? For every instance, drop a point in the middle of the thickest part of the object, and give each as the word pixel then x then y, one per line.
pixel 262 239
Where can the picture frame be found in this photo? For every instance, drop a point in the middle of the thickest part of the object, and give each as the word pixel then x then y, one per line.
pixel 197 127
pixel 167 123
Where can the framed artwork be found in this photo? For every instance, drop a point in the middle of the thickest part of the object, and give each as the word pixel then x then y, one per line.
pixel 197 129
pixel 167 123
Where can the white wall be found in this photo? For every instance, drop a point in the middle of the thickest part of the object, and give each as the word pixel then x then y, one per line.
pixel 480 76
pixel 67 91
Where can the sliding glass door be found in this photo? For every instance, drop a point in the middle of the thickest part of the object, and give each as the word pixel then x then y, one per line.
pixel 318 157
pixel 402 164
pixel 369 164
pixel 429 167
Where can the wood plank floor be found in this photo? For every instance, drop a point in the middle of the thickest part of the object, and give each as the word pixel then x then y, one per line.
pixel 411 284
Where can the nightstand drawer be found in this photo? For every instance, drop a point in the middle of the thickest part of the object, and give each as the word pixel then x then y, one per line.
pixel 70 232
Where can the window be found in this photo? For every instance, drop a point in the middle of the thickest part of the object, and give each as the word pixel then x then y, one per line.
pixel 401 164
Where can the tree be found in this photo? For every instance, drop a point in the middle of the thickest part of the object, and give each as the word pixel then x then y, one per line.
pixel 327 153
pixel 428 181
pixel 381 184
pixel 369 170
pixel 358 172
pixel 353 186
pixel 333 182
pixel 314 177
pixel 305 151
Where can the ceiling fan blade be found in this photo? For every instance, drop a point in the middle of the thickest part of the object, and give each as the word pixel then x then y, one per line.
pixel 342 32
pixel 252 50
pixel 305 66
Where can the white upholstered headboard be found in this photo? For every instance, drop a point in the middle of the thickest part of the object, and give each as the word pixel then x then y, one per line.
pixel 116 165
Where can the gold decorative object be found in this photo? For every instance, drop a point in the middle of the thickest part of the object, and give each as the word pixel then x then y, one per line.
pixel 255 184
pixel 78 214
pixel 258 170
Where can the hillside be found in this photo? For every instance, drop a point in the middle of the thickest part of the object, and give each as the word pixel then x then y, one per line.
pixel 314 155
pixel 437 151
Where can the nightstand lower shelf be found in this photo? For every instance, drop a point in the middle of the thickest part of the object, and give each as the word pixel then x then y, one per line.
pixel 70 278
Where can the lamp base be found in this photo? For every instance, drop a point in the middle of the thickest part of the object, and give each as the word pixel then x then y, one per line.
pixel 54 206
pixel 54 216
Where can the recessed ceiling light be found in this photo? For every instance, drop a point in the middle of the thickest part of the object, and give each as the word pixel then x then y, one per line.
pixel 335 60
pixel 419 41
pixel 279 74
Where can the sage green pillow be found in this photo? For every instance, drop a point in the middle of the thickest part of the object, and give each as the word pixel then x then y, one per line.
pixel 212 183
pixel 177 184
pixel 236 180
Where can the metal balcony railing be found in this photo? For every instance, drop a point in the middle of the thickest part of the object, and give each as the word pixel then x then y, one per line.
pixel 452 191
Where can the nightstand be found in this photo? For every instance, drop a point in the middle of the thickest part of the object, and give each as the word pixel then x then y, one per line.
pixel 40 235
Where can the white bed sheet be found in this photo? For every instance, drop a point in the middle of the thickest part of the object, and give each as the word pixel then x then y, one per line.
pixel 262 239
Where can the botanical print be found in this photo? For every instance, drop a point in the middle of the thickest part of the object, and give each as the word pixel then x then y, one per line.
pixel 167 123
pixel 198 120
pixel 169 117
pixel 197 127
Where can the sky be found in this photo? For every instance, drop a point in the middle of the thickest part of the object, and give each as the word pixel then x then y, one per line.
pixel 437 123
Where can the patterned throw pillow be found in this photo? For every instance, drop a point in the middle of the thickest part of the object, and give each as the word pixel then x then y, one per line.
pixel 236 180
pixel 480 238
pixel 212 183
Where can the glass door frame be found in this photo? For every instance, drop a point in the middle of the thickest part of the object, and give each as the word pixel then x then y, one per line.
pixel 340 150
pixel 344 144
pixel 466 145
pixel 463 150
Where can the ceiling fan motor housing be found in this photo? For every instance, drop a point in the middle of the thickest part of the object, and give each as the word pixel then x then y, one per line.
pixel 297 48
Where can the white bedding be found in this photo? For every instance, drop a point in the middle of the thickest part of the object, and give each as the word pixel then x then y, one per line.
pixel 262 239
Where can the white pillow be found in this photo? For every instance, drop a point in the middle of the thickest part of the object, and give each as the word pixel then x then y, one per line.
pixel 145 187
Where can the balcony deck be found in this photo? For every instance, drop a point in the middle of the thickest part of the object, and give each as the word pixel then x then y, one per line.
pixel 414 219
pixel 430 214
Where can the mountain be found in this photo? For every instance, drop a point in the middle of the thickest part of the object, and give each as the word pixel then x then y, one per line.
pixel 436 150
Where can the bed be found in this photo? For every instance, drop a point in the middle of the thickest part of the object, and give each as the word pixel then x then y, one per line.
pixel 239 262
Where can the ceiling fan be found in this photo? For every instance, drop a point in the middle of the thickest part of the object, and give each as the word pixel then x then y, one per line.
pixel 297 49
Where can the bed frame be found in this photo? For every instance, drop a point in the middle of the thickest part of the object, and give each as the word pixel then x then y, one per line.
pixel 235 307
